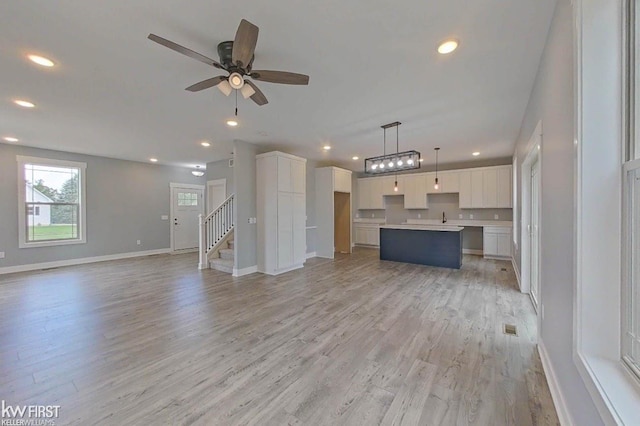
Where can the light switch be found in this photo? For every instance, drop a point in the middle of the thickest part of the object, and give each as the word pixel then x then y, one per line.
pixel 164 217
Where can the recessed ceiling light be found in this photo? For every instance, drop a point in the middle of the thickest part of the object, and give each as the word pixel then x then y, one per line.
pixel 475 154
pixel 41 60
pixel 232 123
pixel 153 160
pixel 447 46
pixel 10 139
pixel 24 104
pixel 205 144
pixel 355 158
pixel 326 147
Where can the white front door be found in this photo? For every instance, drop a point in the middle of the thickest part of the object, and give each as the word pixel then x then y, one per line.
pixel 216 194
pixel 186 206
pixel 535 233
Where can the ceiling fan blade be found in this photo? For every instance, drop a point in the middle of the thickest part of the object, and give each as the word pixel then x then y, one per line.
pixel 281 77
pixel 181 49
pixel 257 97
pixel 205 84
pixel 244 43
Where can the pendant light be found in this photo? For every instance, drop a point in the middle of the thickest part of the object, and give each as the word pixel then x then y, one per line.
pixel 436 186
pixel 395 187
pixel 392 162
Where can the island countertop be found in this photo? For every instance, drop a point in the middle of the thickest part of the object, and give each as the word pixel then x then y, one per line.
pixel 415 227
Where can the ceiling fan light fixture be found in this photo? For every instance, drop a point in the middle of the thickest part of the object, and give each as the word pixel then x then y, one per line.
pixel 236 81
pixel 225 88
pixel 447 46
pixel 247 91
pixel 197 173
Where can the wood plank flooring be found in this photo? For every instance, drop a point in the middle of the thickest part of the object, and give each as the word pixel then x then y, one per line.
pixel 353 341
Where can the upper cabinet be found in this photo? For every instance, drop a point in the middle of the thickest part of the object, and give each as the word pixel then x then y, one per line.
pixel 341 180
pixel 486 187
pixel 291 175
pixel 370 194
pixel 415 191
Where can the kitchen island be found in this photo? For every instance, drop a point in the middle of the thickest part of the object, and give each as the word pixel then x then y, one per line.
pixel 432 245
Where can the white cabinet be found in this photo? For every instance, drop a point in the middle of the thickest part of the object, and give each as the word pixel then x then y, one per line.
pixel 367 234
pixel 341 180
pixel 496 241
pixel 415 191
pixel 281 212
pixel 448 182
pixel 485 188
pixel 370 194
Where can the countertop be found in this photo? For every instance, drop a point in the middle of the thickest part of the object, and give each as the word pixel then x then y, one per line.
pixel 415 227
pixel 458 222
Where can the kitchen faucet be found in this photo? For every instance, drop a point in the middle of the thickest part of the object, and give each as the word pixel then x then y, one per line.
pixel 444 218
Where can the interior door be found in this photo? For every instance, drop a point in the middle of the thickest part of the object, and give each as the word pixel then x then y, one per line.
pixel 187 205
pixel 534 230
pixel 216 194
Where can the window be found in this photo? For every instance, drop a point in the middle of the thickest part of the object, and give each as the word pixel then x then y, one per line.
pixel 51 202
pixel 187 199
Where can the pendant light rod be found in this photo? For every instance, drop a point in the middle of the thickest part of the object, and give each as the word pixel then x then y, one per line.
pixel 436 150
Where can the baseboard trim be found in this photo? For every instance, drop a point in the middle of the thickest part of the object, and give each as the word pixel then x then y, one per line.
pixel 312 254
pixel 245 271
pixel 517 272
pixel 80 261
pixel 472 251
pixel 554 387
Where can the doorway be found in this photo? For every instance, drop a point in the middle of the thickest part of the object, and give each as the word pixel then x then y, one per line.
pixel 530 225
pixel 342 222
pixel 216 194
pixel 187 203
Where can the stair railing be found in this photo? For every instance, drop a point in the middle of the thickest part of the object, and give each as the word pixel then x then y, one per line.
pixel 214 228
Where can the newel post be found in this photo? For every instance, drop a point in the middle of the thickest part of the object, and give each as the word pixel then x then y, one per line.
pixel 202 248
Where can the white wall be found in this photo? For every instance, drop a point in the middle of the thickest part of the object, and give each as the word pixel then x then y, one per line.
pixel 552 101
pixel 125 200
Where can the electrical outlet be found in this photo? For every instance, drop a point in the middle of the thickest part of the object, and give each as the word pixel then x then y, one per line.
pixel 138 242
pixel 471 216
pixel 357 215
pixel 496 217
pixel 1 255
pixel 460 216
pixel 164 217
pixel 419 216
pixel 373 215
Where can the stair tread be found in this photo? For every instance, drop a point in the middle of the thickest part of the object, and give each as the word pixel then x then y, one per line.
pixel 227 250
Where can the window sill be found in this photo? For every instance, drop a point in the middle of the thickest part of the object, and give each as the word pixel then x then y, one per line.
pixel 52 243
pixel 614 389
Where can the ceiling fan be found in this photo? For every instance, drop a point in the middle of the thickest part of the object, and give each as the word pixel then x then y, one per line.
pixel 236 58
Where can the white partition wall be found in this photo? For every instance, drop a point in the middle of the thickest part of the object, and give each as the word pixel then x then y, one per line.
pixel 281 212
pixel 329 182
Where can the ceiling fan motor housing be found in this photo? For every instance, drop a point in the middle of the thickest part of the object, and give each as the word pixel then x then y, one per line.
pixel 225 50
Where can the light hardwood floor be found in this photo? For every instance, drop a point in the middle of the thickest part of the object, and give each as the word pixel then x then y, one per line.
pixel 352 341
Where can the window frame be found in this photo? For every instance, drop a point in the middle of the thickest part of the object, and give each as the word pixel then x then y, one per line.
pixel 22 200
pixel 627 314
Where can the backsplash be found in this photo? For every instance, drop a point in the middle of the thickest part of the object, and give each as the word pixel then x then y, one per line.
pixel 448 203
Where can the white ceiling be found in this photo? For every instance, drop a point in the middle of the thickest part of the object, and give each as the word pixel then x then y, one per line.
pixel 117 94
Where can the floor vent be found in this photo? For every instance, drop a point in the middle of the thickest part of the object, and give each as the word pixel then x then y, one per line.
pixel 510 329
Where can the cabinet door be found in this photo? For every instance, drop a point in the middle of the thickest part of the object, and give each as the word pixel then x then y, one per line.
pixel 504 188
pixel 465 190
pixel 285 230
pixel 376 200
pixel 504 245
pixel 360 237
pixel 415 195
pixel 299 229
pixel 341 181
pixel 490 188
pixel 298 176
pixel 388 182
pixel 364 193
pixel 450 182
pixel 490 244
pixel 370 236
pixel 477 188
pixel 284 174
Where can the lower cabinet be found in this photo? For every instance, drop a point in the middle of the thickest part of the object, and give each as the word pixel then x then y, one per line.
pixel 496 241
pixel 366 235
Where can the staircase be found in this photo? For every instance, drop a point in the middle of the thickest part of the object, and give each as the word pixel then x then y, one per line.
pixel 216 237
pixel 222 260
